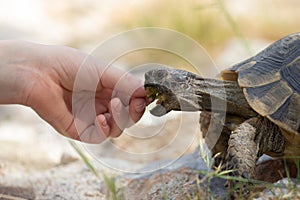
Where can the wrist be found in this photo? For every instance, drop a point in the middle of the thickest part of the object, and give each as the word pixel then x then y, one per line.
pixel 15 78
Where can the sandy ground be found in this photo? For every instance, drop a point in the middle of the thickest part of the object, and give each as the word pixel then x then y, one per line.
pixel 33 157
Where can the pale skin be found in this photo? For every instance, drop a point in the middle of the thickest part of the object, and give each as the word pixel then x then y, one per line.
pixel 42 77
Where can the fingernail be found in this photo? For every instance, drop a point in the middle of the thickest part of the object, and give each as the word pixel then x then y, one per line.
pixel 103 122
pixel 140 108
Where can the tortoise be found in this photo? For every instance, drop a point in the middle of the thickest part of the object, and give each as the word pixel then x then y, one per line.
pixel 262 100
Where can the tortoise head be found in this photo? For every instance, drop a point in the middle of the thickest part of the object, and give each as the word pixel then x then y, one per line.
pixel 173 89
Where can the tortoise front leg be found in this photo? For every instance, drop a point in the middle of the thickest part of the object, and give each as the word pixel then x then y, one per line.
pixel 217 134
pixel 246 144
pixel 242 155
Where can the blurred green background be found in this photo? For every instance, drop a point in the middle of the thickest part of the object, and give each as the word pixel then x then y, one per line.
pixel 213 23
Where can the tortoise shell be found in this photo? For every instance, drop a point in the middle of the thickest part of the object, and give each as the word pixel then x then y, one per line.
pixel 271 82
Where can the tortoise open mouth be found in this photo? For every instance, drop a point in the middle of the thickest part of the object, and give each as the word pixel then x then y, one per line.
pixel 154 93
pixel 165 99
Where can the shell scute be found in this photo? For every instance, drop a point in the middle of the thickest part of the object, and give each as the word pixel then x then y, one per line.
pixel 271 82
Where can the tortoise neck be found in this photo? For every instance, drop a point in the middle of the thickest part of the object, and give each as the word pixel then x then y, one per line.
pixel 222 96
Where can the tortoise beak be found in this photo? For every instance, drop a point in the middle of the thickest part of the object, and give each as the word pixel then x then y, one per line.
pixel 159 110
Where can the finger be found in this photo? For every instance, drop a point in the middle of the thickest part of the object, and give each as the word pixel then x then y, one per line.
pixel 140 91
pixel 101 123
pixel 124 97
pixel 101 106
pixel 103 93
pixel 93 134
pixel 122 81
pixel 136 110
pixel 119 117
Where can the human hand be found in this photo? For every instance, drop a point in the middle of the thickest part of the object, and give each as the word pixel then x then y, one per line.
pixel 106 100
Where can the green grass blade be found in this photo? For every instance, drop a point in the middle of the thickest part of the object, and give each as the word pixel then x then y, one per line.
pixel 84 158
pixel 112 189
